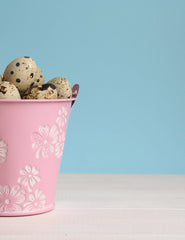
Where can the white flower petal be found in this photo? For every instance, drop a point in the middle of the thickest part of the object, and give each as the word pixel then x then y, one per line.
pixel 35 171
pixel 38 153
pixel 31 197
pixel 6 189
pixel 1 191
pixel 20 179
pixel 25 181
pixel 37 178
pixel 32 181
pixel 20 197
pixel 2 144
pixel 37 138
pixel 29 207
pixel 42 196
pixel 3 152
pixel 2 159
pixel 45 152
pixel 59 121
pixel 14 208
pixel 1 207
pixel 23 172
pixel 44 130
pixel 14 190
pixel 53 132
pixel 42 203
pixel 37 193
pixel 51 148
pixel 28 168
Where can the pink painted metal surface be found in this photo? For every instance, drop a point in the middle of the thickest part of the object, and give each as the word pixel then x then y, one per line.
pixel 32 138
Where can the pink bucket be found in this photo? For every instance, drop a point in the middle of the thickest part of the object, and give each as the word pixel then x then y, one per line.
pixel 32 137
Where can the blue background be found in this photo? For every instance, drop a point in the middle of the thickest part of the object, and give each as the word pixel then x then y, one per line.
pixel 129 59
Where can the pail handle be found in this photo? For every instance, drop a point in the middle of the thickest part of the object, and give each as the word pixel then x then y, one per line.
pixel 75 91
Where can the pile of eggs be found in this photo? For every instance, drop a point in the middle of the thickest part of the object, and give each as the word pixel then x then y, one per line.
pixel 23 79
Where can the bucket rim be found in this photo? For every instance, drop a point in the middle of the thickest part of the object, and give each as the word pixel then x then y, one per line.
pixel 37 100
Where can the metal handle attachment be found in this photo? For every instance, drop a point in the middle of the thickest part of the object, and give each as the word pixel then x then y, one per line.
pixel 75 91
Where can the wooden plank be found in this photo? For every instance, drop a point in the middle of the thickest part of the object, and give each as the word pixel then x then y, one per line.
pixel 121 191
pixel 97 224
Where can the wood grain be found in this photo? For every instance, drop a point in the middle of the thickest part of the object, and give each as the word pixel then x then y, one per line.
pixel 105 206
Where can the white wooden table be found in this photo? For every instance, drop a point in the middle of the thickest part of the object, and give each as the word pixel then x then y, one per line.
pixel 105 206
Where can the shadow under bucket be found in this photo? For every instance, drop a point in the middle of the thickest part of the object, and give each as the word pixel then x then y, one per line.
pixel 32 137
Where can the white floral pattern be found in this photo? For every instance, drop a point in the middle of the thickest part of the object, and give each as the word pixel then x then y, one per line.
pixel 36 201
pixel 11 198
pixel 62 118
pixel 18 198
pixel 44 140
pixel 3 151
pixel 61 121
pixel 51 139
pixel 60 146
pixel 29 177
pixel 26 195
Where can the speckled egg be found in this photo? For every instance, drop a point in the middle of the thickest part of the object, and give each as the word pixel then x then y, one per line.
pixel 39 77
pixel 21 72
pixel 63 87
pixel 45 91
pixel 8 91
